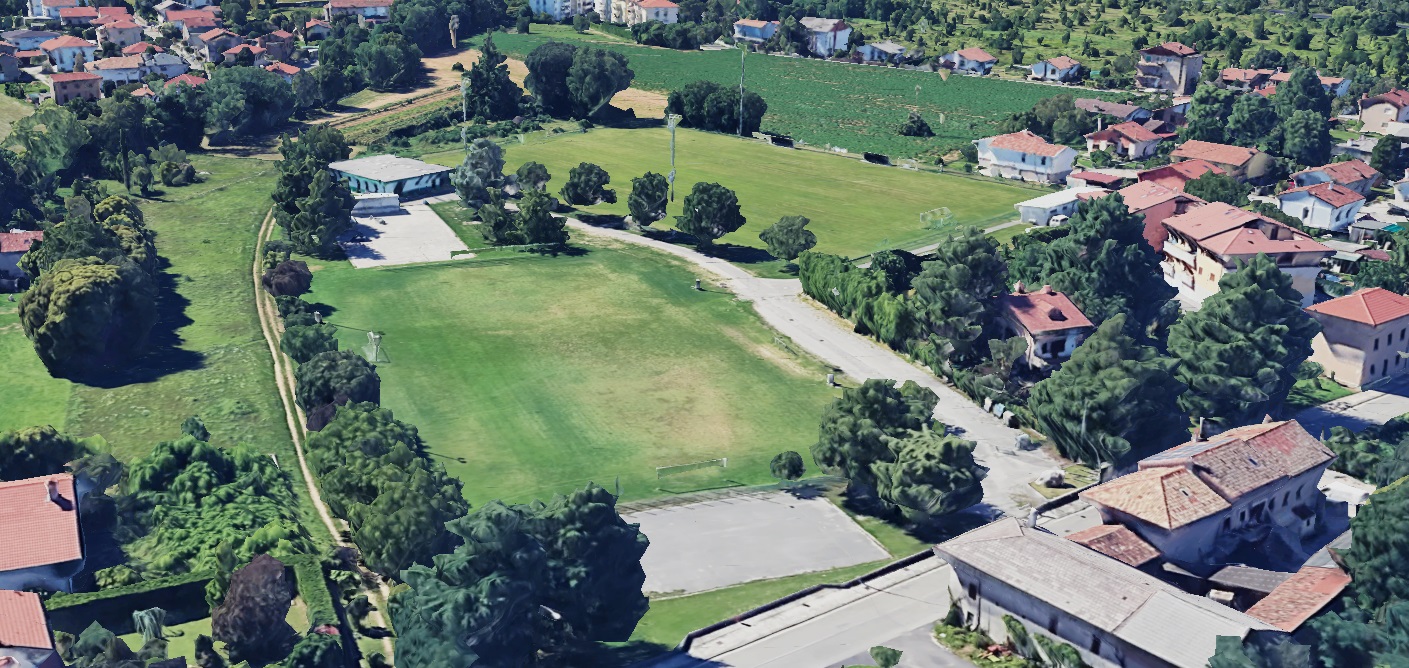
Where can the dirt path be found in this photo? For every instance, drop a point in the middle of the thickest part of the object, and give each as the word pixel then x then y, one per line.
pixel 293 415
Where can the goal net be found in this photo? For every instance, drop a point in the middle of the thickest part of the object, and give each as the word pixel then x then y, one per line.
pixel 665 471
pixel 935 219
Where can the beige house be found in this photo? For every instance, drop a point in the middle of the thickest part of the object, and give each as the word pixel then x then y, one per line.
pixel 1051 323
pixel 1362 340
pixel 1206 242
pixel 1376 113
pixel 1171 66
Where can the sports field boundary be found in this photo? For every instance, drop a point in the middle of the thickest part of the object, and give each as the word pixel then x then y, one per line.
pixel 702 496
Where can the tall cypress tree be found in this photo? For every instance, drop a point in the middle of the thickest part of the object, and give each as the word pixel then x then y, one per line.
pixel 954 296
pixel 491 94
pixel 1239 353
pixel 1113 400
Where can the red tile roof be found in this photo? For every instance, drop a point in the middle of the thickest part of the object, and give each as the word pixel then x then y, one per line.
pixel 35 530
pixel 22 622
pixel 1171 48
pixel 215 34
pixel 140 48
pixel 1371 306
pixel 1130 130
pixel 113 11
pixel 1344 173
pixel 1333 194
pixel 1331 82
pixel 144 91
pixel 1245 459
pixel 659 4
pixel 1148 194
pixel 976 54
pixel 1398 97
pixel 237 50
pixel 1223 154
pixel 68 77
pixel 1374 254
pixel 1226 230
pixel 753 23
pixel 65 42
pixel 117 63
pixel 78 12
pixel 1176 175
pixel 122 24
pixel 1239 75
pixel 32 53
pixel 1116 542
pixel 188 79
pixel 283 68
pixel 357 4
pixel 1062 62
pixel 281 34
pixel 19 242
pixel 1027 142
pixel 1300 597
pixel 325 24
pixel 1165 497
pixel 1044 310
pixel 60 3
pixel 1096 178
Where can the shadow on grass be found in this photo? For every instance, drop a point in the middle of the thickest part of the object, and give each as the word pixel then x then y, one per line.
pixel 602 219
pixel 933 532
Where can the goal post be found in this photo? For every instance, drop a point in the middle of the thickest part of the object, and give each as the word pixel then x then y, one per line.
pixel 666 471
pixel 936 219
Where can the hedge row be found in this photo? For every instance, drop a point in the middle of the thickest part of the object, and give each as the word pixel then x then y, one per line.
pixel 313 589
pixel 182 596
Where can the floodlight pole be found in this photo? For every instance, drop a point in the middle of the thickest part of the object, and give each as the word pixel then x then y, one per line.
pixel 671 120
pixel 464 113
pixel 744 51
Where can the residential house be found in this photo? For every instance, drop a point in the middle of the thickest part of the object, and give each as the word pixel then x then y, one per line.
pixel 1362 339
pixel 881 52
pixel 123 33
pixel 133 69
pixel 1201 503
pixel 365 10
pixel 751 30
pixel 661 11
pixel 1059 205
pixel 28 40
pixel 1355 174
pixel 165 6
pixel 187 79
pixel 1359 148
pixel 41 544
pixel 14 244
pixel 71 85
pixel 1368 228
pixel 1061 68
pixel 1335 86
pixel 1175 176
pixel 972 59
pixel 192 22
pixel 140 48
pixel 1097 179
pixel 611 11
pixel 244 54
pixel 9 63
pixel 1157 203
pixel 118 12
pixel 1377 112
pixel 26 641
pixel 50 8
pixel 316 29
pixel 1048 320
pixel 1119 112
pixel 1171 67
pixel 1327 206
pixel 63 52
pixel 1026 156
pixel 1111 613
pixel 145 91
pixel 826 37
pixel 1208 241
pixel 1233 160
pixel 215 42
pixel 78 16
pixel 1245 80
pixel 278 45
pixel 1128 140
pixel 285 70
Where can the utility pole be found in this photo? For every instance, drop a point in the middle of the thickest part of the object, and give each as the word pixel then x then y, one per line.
pixel 743 51
pixel 465 113
pixel 670 121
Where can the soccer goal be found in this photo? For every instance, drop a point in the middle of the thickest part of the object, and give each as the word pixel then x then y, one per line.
pixel 666 471
pixel 936 219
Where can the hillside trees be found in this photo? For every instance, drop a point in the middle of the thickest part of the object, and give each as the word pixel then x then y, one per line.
pixel 954 297
pixel 335 378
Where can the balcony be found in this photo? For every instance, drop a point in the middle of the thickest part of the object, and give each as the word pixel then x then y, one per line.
pixel 1179 253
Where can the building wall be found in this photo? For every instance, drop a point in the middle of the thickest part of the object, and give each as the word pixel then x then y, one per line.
pixel 1011 164
pixel 1196 272
pixel 359 184
pixel 964 64
pixel 55 578
pixel 828 43
pixel 1316 213
pixel 1376 117
pixel 123 37
pixel 10 263
pixel 1037 215
pixel 9 68
pixel 63 92
pixel 1359 355
pixel 64 58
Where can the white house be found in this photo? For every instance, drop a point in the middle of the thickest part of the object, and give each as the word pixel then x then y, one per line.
pixel 133 69
pixel 1129 140
pixel 1376 113
pixel 1328 206
pixel 1061 68
pixel 1204 243
pixel 641 11
pixel 27 40
pixel 1355 174
pixel 64 51
pixel 750 30
pixel 1041 210
pixel 1025 156
pixel 390 174
pixel 41 544
pixel 972 59
pixel 364 10
pixel 826 37
pixel 886 51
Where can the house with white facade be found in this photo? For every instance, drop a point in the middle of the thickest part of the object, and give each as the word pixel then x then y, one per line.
pixel 660 11
pixel 1041 210
pixel 374 11
pixel 1171 67
pixel 133 69
pixel 826 37
pixel 1209 241
pixel 751 30
pixel 1128 140
pixel 41 544
pixel 1025 156
pixel 881 52
pixel 1355 174
pixel 1379 111
pixel 122 32
pixel 1327 206
pixel 1048 320
pixel 972 59
pixel 51 9
pixel 64 51
pixel 27 40
pixel 1061 68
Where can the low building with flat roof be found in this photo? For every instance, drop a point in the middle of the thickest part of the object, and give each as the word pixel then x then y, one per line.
pixel 391 174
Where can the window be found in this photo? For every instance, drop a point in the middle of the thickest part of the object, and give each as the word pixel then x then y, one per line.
pixel 1377 344
pixel 973 590
pixel 1052 625
pixel 1095 645
pixel 1227 523
pixel 1401 335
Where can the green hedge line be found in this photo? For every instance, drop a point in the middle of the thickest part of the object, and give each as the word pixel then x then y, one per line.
pixel 313 589
pixel 616 30
pixel 182 596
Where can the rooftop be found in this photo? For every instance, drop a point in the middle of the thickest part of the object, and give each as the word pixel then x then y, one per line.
pixel 1116 542
pixel 1060 197
pixel 68 77
pixel 188 79
pixel 1187 170
pixel 1062 62
pixel 36 529
pixel 1371 306
pixel 283 68
pixel 1165 497
pixel 1344 173
pixel 976 54
pixel 241 48
pixel 1223 154
pixel 1244 459
pixel 117 63
pixel 754 23
pixel 1333 194
pixel 1095 106
pixel 1300 597
pixel 1027 142
pixel 1096 177
pixel 66 42
pixel 1044 310
pixel 22 621
pixel 1398 97
pixel 816 24
pixel 1170 49
pixel 78 12
pixel 1224 229
pixel 19 242
pixel 1129 604
pixel 386 168
pixel 1147 194
pixel 1130 130
pixel 141 47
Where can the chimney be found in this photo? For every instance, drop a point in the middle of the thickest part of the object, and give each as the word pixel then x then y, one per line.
pixel 53 491
pixel 1047 290
pixel 1199 431
pixel 1019 288
pixel 1266 418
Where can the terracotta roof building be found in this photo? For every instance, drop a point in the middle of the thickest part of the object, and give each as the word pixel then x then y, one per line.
pixel 1157 203
pixel 1208 241
pixel 74 85
pixel 1300 597
pixel 1128 140
pixel 41 546
pixel 1121 112
pixel 1171 67
pixel 187 79
pixel 1116 542
pixel 25 638
pixel 1362 337
pixel 1051 323
pixel 972 59
pixel 1167 498
pixel 1025 156
pixel 1354 174
pixel 1177 175
pixel 1233 160
pixel 1379 112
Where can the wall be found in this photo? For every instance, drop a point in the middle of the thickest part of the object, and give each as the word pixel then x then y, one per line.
pixel 1376 116
pixel 1347 350
pixel 57 577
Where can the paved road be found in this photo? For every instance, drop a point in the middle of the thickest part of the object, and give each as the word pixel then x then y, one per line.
pixel 918 650
pixel 1358 411
pixel 781 304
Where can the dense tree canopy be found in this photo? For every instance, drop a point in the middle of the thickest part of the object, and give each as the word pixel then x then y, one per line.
pixel 491 94
pixel 789 237
pixel 587 185
pixel 857 429
pixel 649 194
pixel 955 297
pixel 334 377
pixel 709 106
pixel 36 451
pixel 86 314
pixel 710 212
pixel 931 475
pixel 251 620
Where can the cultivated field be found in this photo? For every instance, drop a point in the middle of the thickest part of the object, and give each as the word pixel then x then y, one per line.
pixel 855 107
pixel 855 208
pixel 536 375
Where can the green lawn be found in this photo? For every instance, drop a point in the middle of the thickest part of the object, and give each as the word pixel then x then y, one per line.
pixel 12 110
pixel 855 107
pixel 1308 393
pixel 537 375
pixel 855 207
pixel 181 638
pixel 31 397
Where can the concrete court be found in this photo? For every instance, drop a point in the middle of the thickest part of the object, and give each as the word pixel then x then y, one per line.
pixel 712 544
pixel 415 235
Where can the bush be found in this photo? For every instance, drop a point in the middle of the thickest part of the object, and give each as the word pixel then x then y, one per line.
pixel 288 278
pixel 336 377
pixel 303 342
pixel 587 184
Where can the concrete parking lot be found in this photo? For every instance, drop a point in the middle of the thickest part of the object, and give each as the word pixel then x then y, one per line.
pixel 416 234
pixel 703 546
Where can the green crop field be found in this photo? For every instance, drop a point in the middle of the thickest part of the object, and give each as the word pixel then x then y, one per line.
pixel 537 375
pixel 855 207
pixel 855 107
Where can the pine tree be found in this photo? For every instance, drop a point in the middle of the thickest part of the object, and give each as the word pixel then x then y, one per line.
pixel 954 297
pixel 481 174
pixel 1239 353
pixel 931 475
pixel 1114 400
pixel 857 428
pixel 491 94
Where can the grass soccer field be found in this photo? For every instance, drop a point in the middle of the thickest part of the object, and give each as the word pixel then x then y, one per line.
pixel 855 207
pixel 536 375
pixel 859 108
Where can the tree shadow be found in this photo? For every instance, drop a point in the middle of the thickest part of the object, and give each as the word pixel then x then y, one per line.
pixel 602 220
pixel 164 355
pixel 737 254
pixel 632 653
pixel 934 531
